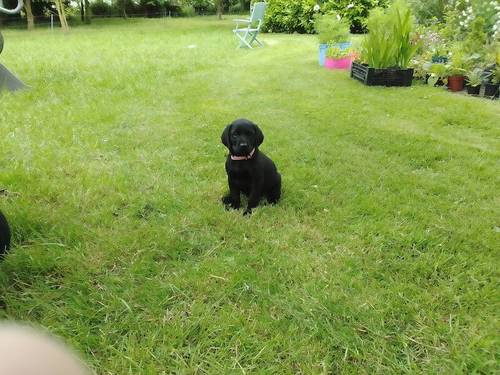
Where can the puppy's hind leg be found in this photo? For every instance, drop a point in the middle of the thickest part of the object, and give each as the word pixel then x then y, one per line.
pixel 274 194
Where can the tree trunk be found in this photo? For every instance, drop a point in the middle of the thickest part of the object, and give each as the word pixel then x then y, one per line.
pixel 122 6
pixel 82 11
pixel 88 18
pixel 62 15
pixel 29 15
pixel 219 10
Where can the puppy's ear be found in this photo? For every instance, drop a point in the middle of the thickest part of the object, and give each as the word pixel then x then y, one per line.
pixel 225 136
pixel 259 136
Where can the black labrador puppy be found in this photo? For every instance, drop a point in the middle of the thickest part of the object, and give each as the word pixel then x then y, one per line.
pixel 4 235
pixel 249 171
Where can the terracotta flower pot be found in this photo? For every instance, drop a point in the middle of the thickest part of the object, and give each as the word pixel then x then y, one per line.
pixel 456 83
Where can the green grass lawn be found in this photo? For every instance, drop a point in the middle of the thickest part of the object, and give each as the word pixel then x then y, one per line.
pixel 382 256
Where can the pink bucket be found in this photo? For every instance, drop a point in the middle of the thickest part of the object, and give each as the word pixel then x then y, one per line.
pixel 343 63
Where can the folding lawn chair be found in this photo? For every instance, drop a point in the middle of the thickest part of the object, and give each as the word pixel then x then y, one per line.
pixel 248 33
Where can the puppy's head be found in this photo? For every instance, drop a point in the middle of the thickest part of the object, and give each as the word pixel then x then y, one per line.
pixel 241 137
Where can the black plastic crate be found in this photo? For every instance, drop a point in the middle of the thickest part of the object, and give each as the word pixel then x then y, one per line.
pixel 491 90
pixel 381 77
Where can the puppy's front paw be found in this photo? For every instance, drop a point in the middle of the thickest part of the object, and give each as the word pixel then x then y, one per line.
pixel 230 203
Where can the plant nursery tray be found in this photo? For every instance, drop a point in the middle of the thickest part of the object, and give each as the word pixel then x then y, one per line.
pixel 381 77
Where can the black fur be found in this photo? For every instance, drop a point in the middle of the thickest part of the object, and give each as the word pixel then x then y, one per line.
pixel 256 177
pixel 4 235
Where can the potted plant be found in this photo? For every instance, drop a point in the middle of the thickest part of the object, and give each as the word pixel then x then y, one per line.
pixel 332 30
pixel 474 80
pixel 456 71
pixel 439 50
pixel 437 74
pixel 388 49
pixel 492 88
pixel 456 80
pixel 439 58
pixel 337 58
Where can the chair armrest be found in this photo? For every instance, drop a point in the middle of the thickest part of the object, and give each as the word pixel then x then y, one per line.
pixel 241 20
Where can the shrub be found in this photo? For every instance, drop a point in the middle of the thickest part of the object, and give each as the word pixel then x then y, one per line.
pixel 476 37
pixel 298 15
pixel 202 6
pixel 188 11
pixel 190 8
pixel 461 15
pixel 427 11
pixel 236 9
pixel 356 11
pixel 388 43
pixel 102 8
pixel 290 16
pixel 239 6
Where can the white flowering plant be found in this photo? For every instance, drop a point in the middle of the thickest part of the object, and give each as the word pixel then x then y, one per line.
pixel 467 11
pixel 430 41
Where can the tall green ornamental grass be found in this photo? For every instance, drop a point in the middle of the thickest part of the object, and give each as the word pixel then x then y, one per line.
pixel 388 43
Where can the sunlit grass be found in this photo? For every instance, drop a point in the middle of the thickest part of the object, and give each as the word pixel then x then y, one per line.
pixel 382 256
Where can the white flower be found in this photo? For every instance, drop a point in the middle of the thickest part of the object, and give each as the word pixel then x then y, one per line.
pixel 338 17
pixel 349 6
pixel 316 8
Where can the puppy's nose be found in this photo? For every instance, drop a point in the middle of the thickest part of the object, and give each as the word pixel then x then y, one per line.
pixel 243 144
